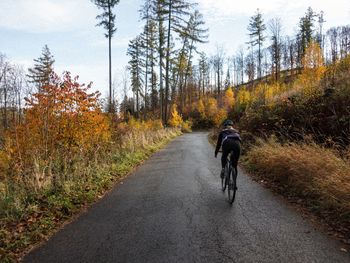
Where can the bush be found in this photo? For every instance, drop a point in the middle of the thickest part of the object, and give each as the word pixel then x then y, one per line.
pixel 309 171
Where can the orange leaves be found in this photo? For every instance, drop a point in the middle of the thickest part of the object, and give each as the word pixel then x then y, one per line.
pixel 62 119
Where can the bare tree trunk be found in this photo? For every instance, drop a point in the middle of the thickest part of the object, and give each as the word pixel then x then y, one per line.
pixel 110 61
pixel 167 64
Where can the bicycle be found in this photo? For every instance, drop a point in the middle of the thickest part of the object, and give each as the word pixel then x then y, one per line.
pixel 229 180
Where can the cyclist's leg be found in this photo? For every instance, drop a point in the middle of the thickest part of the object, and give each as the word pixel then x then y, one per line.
pixel 236 149
pixel 225 152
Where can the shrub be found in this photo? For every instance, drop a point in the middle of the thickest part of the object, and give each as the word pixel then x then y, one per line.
pixel 62 123
pixel 309 171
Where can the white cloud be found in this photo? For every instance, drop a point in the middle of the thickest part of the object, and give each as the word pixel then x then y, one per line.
pixel 46 15
pixel 337 12
pixel 224 8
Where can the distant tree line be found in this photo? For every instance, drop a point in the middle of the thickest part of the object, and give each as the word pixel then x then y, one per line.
pixel 164 72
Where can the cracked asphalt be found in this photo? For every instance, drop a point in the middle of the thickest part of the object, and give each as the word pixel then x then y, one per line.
pixel 171 209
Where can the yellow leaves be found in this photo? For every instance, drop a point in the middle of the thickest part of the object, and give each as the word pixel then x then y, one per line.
pixel 4 162
pixel 313 57
pixel 229 99
pixel 220 116
pixel 313 71
pixel 201 108
pixel 175 119
pixel 212 107
pixel 243 97
pixel 210 111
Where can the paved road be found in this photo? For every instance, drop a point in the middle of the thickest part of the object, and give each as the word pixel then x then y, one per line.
pixel 171 210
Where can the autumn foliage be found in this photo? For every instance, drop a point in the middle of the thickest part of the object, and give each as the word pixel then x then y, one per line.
pixel 64 154
pixel 64 120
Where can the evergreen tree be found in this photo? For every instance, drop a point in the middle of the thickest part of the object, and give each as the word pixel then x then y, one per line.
pixel 151 62
pixel 227 83
pixel 43 68
pixel 136 65
pixel 146 15
pixel 158 11
pixel 192 34
pixel 305 34
pixel 196 34
pixel 175 12
pixel 107 21
pixel 203 72
pixel 256 30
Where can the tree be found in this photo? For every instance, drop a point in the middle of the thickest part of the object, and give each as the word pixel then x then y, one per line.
pixel 256 30
pixel 151 61
pixel 63 119
pixel 157 7
pixel 250 67
pixel 218 62
pixel 203 72
pixel 136 64
pixel 229 99
pixel 313 70
pixel 42 70
pixel 320 37
pixel 149 45
pixel 227 82
pixel 196 34
pixel 332 34
pixel 12 84
pixel 305 35
pixel 276 46
pixel 174 10
pixel 107 21
pixel 175 118
pixel 192 34
pixel 240 66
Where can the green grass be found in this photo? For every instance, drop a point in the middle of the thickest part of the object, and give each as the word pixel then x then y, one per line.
pixel 44 213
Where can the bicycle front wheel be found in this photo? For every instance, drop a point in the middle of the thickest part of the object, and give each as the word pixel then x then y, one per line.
pixel 232 184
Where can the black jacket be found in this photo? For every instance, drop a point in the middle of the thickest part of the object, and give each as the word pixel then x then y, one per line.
pixel 226 134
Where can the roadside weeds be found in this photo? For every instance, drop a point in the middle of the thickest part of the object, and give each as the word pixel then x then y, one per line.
pixel 52 210
pixel 308 175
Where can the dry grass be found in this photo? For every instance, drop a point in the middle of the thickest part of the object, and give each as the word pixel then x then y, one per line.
pixel 308 171
pixel 28 219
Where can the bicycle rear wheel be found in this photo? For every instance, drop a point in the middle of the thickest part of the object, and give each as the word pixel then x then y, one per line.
pixel 224 180
pixel 232 184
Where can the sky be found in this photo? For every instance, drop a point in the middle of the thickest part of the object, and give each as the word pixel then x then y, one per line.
pixel 68 28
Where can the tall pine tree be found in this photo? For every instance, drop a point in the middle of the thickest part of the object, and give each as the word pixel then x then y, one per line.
pixel 136 65
pixel 107 21
pixel 256 30
pixel 176 11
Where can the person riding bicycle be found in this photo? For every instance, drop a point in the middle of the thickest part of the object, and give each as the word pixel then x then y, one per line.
pixel 230 141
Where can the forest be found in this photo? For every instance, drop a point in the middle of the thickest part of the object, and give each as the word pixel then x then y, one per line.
pixel 63 145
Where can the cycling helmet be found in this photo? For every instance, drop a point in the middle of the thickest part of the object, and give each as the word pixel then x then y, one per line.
pixel 228 123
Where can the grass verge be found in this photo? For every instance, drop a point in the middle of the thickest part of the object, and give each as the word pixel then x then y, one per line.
pixel 45 213
pixel 316 177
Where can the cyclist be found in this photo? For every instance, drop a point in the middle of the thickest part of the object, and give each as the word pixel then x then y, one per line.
pixel 230 141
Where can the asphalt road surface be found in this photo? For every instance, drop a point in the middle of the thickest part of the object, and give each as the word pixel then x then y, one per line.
pixel 172 210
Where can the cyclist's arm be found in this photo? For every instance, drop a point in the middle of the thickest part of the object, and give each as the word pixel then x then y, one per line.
pixel 218 144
